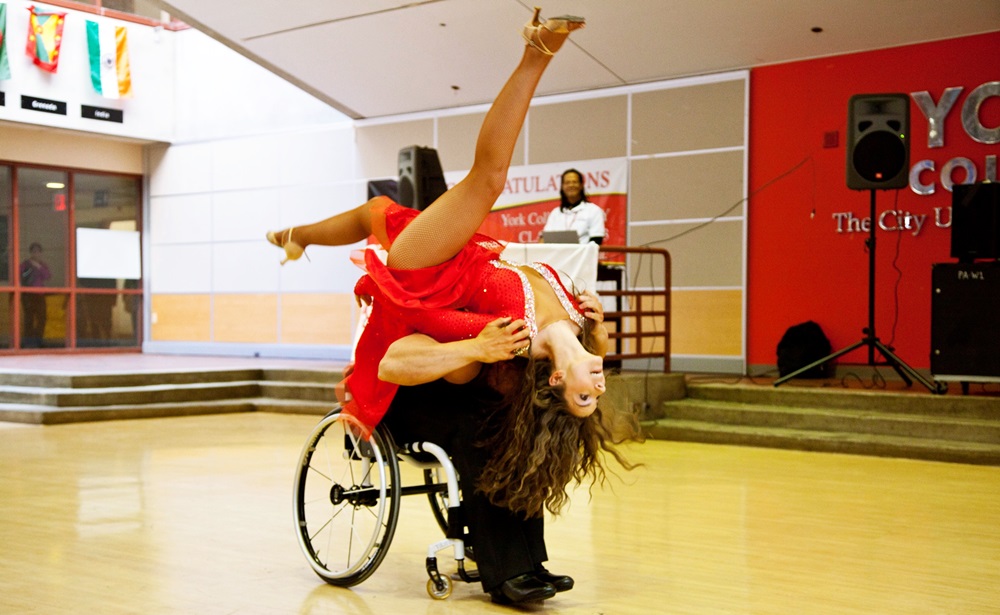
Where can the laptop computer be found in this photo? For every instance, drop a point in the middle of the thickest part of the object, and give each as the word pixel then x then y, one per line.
pixel 560 237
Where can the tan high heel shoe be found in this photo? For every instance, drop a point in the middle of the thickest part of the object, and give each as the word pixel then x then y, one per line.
pixel 293 251
pixel 564 24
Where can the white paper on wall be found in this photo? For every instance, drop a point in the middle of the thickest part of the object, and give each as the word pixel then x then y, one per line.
pixel 108 254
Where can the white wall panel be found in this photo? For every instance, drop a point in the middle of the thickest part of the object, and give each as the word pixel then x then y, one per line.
pixel 316 157
pixel 181 169
pixel 244 267
pixel 244 215
pixel 181 269
pixel 181 219
pixel 239 164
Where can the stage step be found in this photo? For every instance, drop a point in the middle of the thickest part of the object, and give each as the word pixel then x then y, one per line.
pixel 954 428
pixel 50 399
pixel 912 401
pixel 58 380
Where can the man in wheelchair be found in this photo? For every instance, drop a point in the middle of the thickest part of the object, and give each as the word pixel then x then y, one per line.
pixel 517 405
pixel 460 410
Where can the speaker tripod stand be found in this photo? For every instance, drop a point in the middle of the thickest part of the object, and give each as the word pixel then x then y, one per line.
pixel 907 373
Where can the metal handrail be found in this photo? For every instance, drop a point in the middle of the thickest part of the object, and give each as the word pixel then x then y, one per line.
pixel 637 322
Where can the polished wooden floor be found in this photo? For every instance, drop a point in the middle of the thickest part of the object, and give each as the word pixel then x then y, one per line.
pixel 193 516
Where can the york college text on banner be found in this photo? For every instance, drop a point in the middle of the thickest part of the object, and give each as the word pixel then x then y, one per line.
pixel 532 192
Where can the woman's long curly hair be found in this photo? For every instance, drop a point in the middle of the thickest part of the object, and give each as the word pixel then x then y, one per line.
pixel 539 447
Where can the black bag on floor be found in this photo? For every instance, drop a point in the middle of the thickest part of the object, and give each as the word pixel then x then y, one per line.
pixel 801 345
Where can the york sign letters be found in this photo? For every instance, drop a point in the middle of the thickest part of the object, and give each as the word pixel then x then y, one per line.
pixel 924 174
pixel 971 123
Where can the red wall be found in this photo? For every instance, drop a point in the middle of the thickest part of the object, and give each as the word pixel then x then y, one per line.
pixel 799 267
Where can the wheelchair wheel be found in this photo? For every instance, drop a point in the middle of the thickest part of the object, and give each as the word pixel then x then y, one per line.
pixel 440 590
pixel 346 499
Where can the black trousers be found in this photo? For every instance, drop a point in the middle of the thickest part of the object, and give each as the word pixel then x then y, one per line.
pixel 506 544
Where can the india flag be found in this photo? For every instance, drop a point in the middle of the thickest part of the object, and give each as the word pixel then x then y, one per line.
pixel 109 70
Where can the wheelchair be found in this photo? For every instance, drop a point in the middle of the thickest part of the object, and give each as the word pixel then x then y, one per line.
pixel 347 495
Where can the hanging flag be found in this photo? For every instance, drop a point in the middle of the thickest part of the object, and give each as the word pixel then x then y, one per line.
pixel 44 38
pixel 109 69
pixel 4 63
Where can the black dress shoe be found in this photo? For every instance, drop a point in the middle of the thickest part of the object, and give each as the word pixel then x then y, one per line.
pixel 561 582
pixel 523 588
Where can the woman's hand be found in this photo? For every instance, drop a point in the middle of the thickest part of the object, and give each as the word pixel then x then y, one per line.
pixel 502 339
pixel 591 305
pixel 593 310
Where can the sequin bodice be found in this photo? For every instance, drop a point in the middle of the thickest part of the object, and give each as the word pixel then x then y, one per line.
pixel 527 298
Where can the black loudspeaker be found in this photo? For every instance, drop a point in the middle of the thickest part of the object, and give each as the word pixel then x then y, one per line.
pixel 965 339
pixel 878 141
pixel 383 187
pixel 421 179
pixel 975 221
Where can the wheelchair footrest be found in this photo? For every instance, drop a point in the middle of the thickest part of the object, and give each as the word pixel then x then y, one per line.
pixel 469 576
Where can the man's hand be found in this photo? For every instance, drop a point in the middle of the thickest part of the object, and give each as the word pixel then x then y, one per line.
pixel 501 340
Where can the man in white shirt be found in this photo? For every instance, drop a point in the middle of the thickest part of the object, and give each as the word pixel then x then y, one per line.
pixel 575 213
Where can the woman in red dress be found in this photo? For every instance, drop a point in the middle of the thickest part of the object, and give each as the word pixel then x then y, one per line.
pixel 443 279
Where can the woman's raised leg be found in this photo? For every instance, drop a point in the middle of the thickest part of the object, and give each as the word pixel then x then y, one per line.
pixel 441 230
pixel 340 230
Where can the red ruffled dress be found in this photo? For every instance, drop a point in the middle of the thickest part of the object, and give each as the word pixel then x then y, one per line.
pixel 448 302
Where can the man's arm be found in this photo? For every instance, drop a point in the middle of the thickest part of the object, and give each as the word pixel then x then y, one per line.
pixel 418 359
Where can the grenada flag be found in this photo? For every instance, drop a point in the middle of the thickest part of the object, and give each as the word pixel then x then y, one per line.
pixel 109 69
pixel 4 63
pixel 44 38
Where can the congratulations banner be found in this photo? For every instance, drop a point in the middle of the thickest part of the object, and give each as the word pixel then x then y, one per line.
pixel 532 192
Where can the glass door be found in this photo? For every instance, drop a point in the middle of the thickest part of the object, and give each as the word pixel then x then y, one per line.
pixel 108 265
pixel 7 262
pixel 42 227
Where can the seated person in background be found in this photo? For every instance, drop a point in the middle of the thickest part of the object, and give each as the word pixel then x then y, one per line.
pixel 575 213
pixel 35 273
